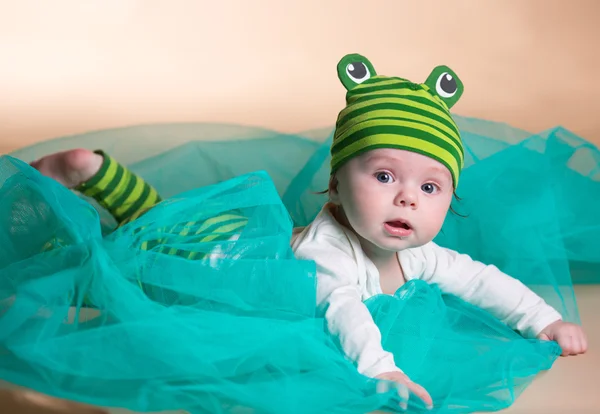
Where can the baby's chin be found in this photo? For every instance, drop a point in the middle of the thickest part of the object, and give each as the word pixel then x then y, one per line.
pixel 395 244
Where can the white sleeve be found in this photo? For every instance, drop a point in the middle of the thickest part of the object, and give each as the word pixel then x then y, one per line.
pixel 347 317
pixel 485 286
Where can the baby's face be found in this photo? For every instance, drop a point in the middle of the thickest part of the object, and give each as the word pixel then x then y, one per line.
pixel 393 199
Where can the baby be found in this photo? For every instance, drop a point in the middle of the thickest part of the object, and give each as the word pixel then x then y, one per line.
pixel 396 161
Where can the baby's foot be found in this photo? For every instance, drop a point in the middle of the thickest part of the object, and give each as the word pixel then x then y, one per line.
pixel 70 168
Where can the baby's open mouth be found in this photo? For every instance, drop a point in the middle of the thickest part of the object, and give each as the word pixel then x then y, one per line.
pixel 399 224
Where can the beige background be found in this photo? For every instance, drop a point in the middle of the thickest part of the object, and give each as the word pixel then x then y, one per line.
pixel 70 66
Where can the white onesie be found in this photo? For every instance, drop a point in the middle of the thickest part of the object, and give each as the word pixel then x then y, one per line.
pixel 346 278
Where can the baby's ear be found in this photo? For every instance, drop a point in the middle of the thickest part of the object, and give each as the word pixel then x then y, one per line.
pixel 334 196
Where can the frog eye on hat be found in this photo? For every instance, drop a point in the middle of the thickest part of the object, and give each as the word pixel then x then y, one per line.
pixel 444 83
pixel 354 69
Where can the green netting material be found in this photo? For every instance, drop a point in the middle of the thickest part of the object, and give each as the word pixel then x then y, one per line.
pixel 239 331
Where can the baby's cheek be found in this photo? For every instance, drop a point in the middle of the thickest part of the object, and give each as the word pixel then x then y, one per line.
pixel 363 212
pixel 435 219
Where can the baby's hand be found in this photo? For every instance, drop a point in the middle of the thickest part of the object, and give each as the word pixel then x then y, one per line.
pixel 569 336
pixel 407 385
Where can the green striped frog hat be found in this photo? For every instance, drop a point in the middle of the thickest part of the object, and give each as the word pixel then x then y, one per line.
pixel 392 112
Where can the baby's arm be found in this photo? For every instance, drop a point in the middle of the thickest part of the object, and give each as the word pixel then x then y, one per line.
pixel 487 287
pixel 349 320
pixel 347 317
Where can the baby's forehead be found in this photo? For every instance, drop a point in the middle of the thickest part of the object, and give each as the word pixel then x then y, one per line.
pixel 390 154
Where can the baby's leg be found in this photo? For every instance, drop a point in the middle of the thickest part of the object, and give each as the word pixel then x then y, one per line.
pixel 124 194
pixel 97 175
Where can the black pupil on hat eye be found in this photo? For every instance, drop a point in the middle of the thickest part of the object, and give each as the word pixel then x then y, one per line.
pixel 448 83
pixel 357 70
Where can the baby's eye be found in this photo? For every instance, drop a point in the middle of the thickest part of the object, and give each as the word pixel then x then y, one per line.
pixel 429 188
pixel 384 177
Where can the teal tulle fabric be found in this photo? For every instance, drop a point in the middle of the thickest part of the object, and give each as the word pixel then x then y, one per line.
pixel 86 314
